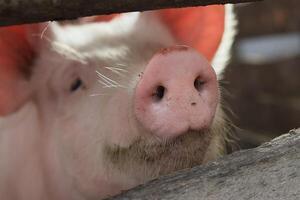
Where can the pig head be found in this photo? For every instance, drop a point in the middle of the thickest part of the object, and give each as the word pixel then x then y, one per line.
pixel 90 110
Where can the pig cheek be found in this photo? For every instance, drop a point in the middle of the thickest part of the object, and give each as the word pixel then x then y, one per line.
pixel 82 138
pixel 81 158
pixel 79 143
pixel 84 162
pixel 119 122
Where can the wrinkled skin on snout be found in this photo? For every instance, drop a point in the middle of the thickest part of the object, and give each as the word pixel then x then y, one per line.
pixel 109 106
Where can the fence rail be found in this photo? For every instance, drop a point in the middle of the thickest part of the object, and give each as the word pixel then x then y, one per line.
pixel 31 11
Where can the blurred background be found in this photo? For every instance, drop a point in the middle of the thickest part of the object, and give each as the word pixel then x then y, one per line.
pixel 263 78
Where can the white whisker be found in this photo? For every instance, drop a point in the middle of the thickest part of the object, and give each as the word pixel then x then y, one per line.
pixel 122 86
pixel 45 29
pixel 105 84
pixel 112 86
pixel 98 94
pixel 121 65
pixel 42 37
pixel 118 71
pixel 109 81
pixel 116 86
pixel 61 48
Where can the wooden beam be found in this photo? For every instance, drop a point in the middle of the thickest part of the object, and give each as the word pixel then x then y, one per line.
pixel 271 171
pixel 31 11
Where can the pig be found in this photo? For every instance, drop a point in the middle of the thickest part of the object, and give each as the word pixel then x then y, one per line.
pixel 89 110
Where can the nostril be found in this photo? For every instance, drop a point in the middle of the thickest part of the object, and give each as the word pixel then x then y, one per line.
pixel 159 93
pixel 198 84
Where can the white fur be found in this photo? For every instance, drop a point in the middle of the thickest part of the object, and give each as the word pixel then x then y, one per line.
pixel 222 56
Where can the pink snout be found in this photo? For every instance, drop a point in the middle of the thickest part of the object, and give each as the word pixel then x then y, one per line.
pixel 178 92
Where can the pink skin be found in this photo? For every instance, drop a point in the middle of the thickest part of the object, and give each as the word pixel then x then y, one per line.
pixel 64 139
pixel 190 95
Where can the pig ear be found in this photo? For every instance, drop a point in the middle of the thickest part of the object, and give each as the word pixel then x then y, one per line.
pixel 101 18
pixel 209 29
pixel 16 57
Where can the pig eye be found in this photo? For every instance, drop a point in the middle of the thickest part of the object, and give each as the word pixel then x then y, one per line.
pixel 77 84
pixel 159 93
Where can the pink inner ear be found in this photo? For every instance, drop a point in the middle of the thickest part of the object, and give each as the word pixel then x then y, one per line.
pixel 15 56
pixel 198 27
pixel 104 18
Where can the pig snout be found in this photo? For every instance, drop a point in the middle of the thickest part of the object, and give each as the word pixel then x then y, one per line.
pixel 177 93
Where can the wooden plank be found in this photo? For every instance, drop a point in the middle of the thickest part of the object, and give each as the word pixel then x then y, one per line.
pixel 30 11
pixel 271 171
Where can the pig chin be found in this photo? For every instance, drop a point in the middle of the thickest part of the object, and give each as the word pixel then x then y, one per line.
pixel 149 157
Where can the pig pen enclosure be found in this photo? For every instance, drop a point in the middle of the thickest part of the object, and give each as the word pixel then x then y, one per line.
pixel 263 86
